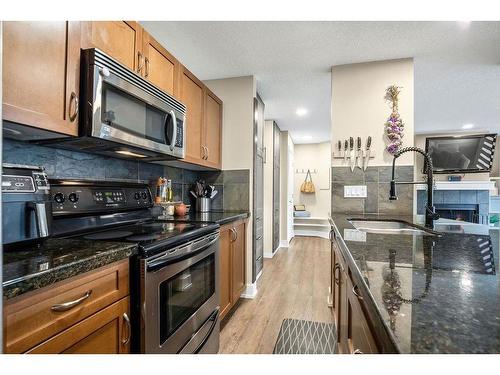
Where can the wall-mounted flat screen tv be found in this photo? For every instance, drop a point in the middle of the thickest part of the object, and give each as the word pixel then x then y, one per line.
pixel 463 154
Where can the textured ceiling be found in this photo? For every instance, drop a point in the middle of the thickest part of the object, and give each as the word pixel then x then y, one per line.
pixel 457 66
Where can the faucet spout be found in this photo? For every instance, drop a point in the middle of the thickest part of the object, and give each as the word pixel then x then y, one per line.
pixel 430 212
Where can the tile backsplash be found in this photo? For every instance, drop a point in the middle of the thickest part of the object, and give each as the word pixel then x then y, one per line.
pixel 377 181
pixel 61 163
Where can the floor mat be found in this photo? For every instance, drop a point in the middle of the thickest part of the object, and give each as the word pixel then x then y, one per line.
pixel 306 337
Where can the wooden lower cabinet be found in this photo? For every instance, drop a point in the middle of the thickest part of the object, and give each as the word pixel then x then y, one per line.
pixel 231 265
pixel 106 332
pixel 353 330
pixel 88 313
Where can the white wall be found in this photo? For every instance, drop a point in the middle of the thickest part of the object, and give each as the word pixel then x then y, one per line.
pixel 313 156
pixel 268 188
pixel 359 108
pixel 237 136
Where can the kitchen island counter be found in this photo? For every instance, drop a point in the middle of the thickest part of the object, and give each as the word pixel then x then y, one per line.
pixel 433 293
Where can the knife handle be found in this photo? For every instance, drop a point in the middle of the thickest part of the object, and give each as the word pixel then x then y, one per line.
pixel 339 145
pixel 358 141
pixel 351 143
pixel 346 145
pixel 368 143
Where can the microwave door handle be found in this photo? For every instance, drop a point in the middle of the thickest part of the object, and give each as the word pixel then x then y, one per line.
pixel 41 218
pixel 174 137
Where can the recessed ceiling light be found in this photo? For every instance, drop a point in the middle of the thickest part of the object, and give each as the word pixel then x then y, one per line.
pixel 467 126
pixel 301 112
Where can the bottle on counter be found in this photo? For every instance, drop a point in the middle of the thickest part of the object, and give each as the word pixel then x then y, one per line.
pixel 170 192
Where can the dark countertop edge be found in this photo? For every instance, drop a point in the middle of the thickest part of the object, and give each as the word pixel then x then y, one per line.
pixel 13 286
pixel 366 292
pixel 235 217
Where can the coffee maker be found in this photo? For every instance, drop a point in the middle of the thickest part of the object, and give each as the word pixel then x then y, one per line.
pixel 26 206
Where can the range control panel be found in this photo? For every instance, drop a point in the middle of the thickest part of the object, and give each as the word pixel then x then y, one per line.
pixel 71 198
pixel 28 183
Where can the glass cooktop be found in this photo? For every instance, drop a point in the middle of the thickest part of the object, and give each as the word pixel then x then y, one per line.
pixel 155 235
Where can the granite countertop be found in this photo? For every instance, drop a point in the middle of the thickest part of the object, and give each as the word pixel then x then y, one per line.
pixel 435 294
pixel 33 268
pixel 217 217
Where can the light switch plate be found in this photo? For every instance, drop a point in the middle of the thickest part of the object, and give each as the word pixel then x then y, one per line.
pixel 355 191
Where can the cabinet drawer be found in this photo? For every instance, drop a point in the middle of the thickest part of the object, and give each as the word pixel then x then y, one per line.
pixel 36 316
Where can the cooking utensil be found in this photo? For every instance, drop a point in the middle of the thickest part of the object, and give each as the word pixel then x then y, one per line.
pixel 351 153
pixel 358 153
pixel 346 147
pixel 366 159
pixel 339 147
pixel 193 194
pixel 214 193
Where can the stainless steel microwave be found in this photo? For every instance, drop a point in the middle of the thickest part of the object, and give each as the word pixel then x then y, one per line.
pixel 125 115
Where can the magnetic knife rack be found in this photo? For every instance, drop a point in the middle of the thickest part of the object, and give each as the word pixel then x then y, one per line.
pixel 335 154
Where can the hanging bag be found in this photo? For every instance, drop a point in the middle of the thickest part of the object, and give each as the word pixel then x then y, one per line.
pixel 307 186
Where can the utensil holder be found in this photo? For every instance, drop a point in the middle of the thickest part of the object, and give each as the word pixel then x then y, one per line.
pixel 203 204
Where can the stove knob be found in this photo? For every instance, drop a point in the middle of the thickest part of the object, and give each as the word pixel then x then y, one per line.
pixel 137 196
pixel 59 198
pixel 144 195
pixel 73 197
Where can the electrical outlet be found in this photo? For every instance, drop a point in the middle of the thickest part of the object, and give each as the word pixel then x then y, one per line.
pixel 355 191
pixel 354 235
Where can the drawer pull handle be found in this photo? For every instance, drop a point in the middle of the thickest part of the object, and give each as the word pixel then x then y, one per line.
pixel 126 340
pixel 357 351
pixel 69 305
pixel 355 292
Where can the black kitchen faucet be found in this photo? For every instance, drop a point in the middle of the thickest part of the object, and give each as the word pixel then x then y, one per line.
pixel 430 212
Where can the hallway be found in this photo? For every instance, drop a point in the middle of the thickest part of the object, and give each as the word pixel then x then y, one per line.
pixel 294 285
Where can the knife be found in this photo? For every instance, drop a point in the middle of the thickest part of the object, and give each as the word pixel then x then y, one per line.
pixel 351 153
pixel 358 153
pixel 366 159
pixel 339 146
pixel 346 147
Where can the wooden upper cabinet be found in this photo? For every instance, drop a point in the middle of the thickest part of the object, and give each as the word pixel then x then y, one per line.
pixel 160 67
pixel 213 130
pixel 40 83
pixel 191 95
pixel 121 40
pixel 238 261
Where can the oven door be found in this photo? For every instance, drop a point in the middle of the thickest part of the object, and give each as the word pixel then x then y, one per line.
pixel 124 112
pixel 180 300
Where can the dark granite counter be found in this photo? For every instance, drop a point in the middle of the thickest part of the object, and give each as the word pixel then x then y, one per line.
pixel 435 294
pixel 217 217
pixel 57 259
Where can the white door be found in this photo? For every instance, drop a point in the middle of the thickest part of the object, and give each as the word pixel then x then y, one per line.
pixel 290 189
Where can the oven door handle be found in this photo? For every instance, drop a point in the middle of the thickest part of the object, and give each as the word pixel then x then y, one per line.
pixel 166 259
pixel 194 345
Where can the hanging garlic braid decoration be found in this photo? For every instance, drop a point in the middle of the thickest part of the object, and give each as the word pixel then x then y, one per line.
pixel 394 126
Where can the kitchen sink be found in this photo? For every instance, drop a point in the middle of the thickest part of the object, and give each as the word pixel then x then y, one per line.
pixel 390 227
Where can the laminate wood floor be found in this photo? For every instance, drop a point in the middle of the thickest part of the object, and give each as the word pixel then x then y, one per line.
pixel 294 284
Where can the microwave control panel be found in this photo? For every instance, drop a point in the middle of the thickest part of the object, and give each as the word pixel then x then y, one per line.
pixel 180 134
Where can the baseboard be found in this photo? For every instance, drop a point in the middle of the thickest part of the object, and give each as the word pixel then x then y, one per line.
pixel 250 291
pixel 284 243
pixel 268 254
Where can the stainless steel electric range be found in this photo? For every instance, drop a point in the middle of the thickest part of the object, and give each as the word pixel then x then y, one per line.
pixel 174 276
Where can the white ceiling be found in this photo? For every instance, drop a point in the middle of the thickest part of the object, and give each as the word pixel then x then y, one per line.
pixel 457 66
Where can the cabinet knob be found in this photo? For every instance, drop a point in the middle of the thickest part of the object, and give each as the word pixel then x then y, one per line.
pixel 73 99
pixel 126 319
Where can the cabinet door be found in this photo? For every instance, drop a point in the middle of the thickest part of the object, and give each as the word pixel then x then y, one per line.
pixel 359 337
pixel 225 270
pixel 191 94
pixel 106 332
pixel 160 67
pixel 341 308
pixel 119 39
pixel 213 130
pixel 39 89
pixel 238 262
